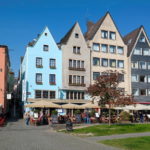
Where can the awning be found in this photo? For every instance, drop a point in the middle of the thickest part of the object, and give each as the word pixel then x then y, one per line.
pixel 43 104
pixel 90 105
pixel 72 106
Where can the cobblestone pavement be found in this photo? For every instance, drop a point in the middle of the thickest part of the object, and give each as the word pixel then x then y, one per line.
pixel 17 136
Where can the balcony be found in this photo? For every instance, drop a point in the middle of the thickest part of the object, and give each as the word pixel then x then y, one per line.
pixel 76 69
pixel 77 84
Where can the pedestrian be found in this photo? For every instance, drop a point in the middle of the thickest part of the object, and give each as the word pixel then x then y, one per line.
pixel 141 117
pixel 27 117
pixel 88 118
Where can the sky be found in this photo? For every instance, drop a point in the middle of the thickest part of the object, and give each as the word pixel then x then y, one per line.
pixel 22 20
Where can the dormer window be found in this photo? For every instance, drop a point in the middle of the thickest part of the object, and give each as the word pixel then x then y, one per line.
pixel 76 35
pixel 45 47
pixel 142 39
pixel 104 34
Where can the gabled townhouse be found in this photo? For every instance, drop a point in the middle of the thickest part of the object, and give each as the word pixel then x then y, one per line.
pixel 139 55
pixel 41 69
pixel 75 65
pixel 108 50
pixel 4 72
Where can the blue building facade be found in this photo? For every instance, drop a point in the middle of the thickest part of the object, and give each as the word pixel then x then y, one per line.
pixel 41 69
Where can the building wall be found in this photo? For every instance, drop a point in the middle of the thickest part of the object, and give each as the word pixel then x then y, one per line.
pixel 67 53
pixel 141 72
pixel 4 66
pixel 29 68
pixel 108 25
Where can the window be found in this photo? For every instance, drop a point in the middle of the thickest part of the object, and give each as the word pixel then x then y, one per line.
pixel 143 92
pixel 146 52
pixel 142 65
pixel 134 78
pixel 148 65
pixel 96 47
pixel 71 95
pixel 95 75
pixel 67 95
pixel 38 78
pixel 104 62
pixel 52 94
pixel 120 64
pixel 148 78
pixel 142 39
pixel 78 79
pixel 76 35
pixel 137 51
pixel 134 64
pixel 148 92
pixel 70 79
pixel 82 94
pixel 52 63
pixel 76 50
pixel 74 79
pixel 38 62
pixel 104 48
pixel 104 34
pixel 75 95
pixel 96 61
pixel 112 49
pixel 52 79
pixel 112 35
pixel 70 63
pixel 121 77
pixel 120 50
pixel 74 63
pixel 78 64
pixel 45 34
pixel 142 78
pixel 45 47
pixel 82 64
pixel 45 94
pixel 79 95
pixel 135 92
pixel 112 63
pixel 82 79
pixel 38 94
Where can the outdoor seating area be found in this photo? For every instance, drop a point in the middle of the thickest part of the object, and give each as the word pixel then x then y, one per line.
pixel 49 113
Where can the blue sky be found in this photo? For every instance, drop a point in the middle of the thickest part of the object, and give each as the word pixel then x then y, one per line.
pixel 22 20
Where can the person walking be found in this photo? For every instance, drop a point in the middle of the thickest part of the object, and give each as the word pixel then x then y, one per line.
pixel 27 118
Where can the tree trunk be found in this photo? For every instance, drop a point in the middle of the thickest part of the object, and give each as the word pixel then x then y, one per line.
pixel 109 116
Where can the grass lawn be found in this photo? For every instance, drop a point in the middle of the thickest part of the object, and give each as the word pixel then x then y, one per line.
pixel 139 143
pixel 101 130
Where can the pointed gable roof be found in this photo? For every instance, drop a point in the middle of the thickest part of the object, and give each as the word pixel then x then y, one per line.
pixel 33 42
pixel 93 29
pixel 131 38
pixel 65 39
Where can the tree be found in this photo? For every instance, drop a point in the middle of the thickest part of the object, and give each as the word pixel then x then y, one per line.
pixel 106 88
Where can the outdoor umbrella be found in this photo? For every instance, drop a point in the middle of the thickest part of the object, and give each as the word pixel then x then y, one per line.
pixel 90 105
pixel 43 104
pixel 71 106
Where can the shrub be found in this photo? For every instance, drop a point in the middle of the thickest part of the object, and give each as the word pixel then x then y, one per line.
pixel 124 116
pixel 54 112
